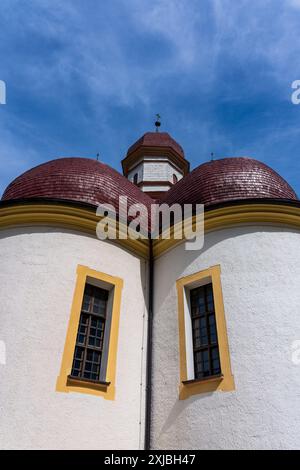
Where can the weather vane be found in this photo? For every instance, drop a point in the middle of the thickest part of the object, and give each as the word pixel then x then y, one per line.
pixel 157 122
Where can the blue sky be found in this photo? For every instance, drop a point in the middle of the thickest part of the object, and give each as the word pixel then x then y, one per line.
pixel 88 76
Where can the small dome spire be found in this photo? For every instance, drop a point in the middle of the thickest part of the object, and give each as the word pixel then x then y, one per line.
pixel 157 122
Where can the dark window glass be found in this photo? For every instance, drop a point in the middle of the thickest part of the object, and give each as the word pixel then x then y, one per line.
pixel 205 339
pixel 89 342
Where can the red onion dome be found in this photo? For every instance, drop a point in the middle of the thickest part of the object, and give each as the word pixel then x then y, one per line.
pixel 75 179
pixel 229 179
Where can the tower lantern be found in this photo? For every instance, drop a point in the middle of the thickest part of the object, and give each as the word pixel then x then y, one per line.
pixel 155 162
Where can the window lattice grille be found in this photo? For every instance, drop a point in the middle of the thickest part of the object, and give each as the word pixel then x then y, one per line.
pixel 205 339
pixel 90 335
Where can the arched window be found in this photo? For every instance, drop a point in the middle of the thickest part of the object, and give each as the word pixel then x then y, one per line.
pixel 91 336
pixel 204 351
pixel 175 179
pixel 135 178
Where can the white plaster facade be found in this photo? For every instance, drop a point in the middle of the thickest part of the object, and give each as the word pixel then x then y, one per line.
pixel 260 282
pixel 37 281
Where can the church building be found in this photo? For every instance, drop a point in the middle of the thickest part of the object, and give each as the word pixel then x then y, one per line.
pixel 140 343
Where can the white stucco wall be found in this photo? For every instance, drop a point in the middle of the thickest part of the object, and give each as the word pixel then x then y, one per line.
pixel 160 171
pixel 260 280
pixel 37 281
pixel 154 169
pixel 139 170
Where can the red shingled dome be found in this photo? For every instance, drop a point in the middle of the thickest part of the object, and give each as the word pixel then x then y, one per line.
pixel 75 179
pixel 156 139
pixel 229 179
pixel 89 181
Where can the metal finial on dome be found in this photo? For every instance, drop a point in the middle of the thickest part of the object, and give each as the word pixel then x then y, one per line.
pixel 157 122
pixel 212 156
pixel 97 157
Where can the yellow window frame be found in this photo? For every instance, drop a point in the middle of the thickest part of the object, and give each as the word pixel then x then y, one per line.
pixel 64 382
pixel 224 382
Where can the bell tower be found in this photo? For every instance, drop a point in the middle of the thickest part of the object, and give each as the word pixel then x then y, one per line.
pixel 155 162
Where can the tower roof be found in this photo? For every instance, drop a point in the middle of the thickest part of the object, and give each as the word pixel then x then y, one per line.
pixel 155 144
pixel 156 139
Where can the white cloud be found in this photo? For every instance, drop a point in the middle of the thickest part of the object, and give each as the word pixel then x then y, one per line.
pixel 294 3
pixel 132 54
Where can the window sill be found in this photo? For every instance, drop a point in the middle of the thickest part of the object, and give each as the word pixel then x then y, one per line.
pixel 87 383
pixel 212 378
pixel 216 383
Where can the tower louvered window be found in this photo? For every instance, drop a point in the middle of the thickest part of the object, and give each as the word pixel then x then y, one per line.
pixel 205 339
pixel 90 336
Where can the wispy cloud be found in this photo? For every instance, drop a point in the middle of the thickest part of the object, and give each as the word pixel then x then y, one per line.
pixel 84 77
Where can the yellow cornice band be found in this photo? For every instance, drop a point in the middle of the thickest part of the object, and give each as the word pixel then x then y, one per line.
pixel 241 214
pixel 63 215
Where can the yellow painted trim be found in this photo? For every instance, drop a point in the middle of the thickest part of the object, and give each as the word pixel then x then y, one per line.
pixel 226 382
pixel 247 214
pixel 86 221
pixel 61 215
pixel 63 383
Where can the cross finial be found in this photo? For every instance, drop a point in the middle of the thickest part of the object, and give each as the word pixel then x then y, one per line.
pixel 157 122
